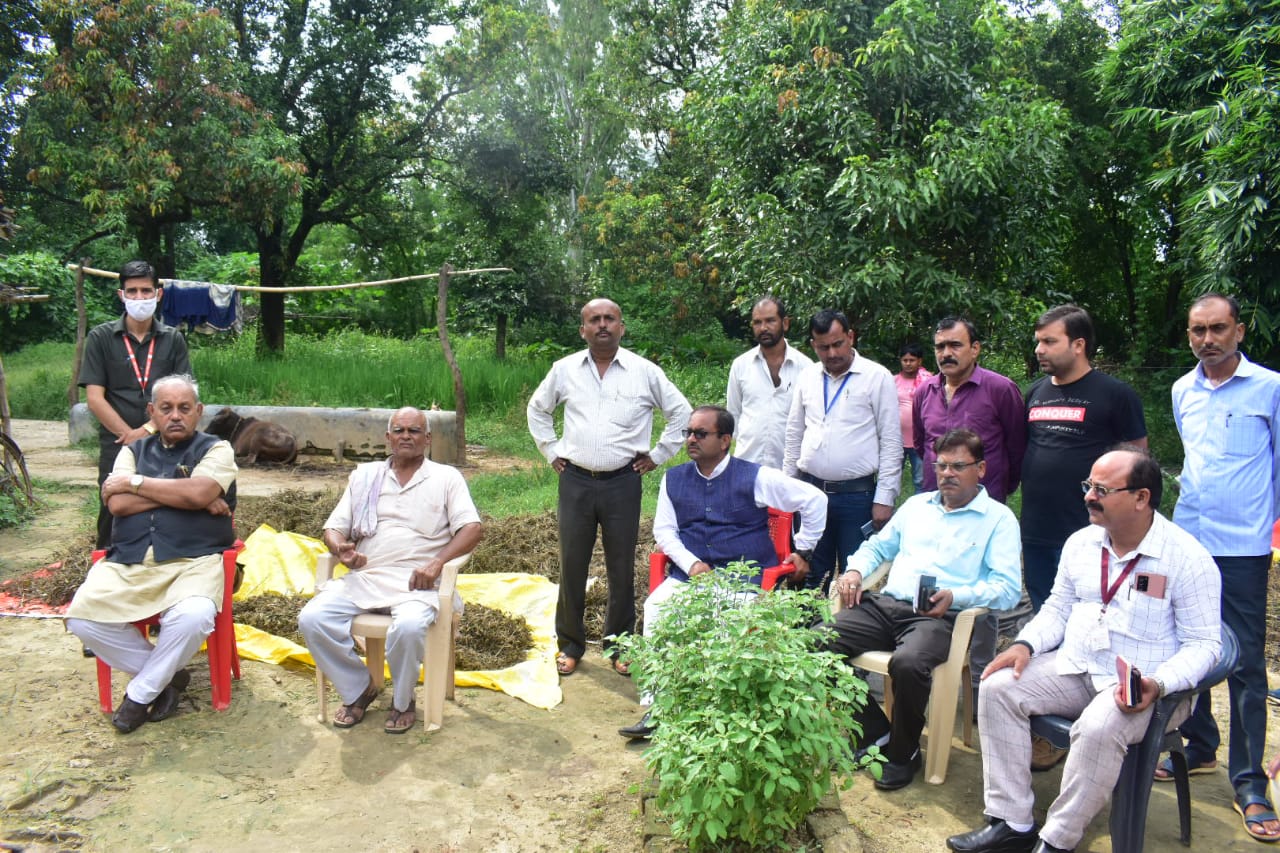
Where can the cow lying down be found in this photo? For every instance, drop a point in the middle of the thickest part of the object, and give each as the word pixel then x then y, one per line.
pixel 254 441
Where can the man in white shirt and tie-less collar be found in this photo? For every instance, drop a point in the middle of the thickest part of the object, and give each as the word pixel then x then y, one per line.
pixel 609 396
pixel 761 385
pixel 843 436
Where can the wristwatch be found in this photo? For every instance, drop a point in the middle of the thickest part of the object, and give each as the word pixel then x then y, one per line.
pixel 150 427
pixel 136 482
pixel 805 554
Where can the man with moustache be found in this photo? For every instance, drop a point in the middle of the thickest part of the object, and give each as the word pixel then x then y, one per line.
pixel 609 396
pixel 843 437
pixel 760 385
pixel 969 543
pixel 171 496
pixel 966 395
pixel 122 361
pixel 398 522
pixel 1228 413
pixel 1074 413
pixel 1131 584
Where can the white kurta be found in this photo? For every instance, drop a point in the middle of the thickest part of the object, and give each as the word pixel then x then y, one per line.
pixel 415 522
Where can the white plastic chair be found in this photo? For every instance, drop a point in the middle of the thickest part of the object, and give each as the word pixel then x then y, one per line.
pixel 950 676
pixel 437 681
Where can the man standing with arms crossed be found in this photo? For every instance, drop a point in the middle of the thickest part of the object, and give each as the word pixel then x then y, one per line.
pixel 1228 414
pixel 609 396
pixel 761 383
pixel 843 436
pixel 122 361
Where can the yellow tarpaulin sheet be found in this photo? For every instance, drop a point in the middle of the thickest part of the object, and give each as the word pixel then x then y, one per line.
pixel 285 563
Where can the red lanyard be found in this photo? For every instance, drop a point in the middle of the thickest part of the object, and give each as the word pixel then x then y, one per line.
pixel 145 376
pixel 1109 592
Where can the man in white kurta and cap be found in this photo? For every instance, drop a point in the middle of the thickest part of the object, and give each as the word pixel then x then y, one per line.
pixel 397 524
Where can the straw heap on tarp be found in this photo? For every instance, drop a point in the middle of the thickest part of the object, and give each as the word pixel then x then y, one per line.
pixel 285 563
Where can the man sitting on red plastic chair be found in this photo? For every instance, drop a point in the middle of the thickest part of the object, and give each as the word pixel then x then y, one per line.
pixel 171 495
pixel 714 510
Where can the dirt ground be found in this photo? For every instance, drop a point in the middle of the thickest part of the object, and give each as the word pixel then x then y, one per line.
pixel 500 776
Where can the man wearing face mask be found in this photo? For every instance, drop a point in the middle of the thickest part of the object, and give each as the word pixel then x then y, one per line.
pixel 122 361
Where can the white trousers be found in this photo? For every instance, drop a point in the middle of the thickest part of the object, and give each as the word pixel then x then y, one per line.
pixel 325 622
pixel 183 629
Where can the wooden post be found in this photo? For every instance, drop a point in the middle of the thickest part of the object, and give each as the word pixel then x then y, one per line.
pixel 4 407
pixel 459 393
pixel 82 323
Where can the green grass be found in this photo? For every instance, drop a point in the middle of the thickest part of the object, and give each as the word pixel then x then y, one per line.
pixel 37 378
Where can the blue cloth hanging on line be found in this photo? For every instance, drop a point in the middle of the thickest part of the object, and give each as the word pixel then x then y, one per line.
pixel 201 306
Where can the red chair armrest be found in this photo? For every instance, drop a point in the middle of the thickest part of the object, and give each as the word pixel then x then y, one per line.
pixel 657 569
pixel 769 579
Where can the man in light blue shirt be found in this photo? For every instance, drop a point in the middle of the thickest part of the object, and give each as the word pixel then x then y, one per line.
pixel 1228 414
pixel 969 543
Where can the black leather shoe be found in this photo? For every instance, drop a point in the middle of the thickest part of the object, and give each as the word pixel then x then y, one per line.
pixel 896 775
pixel 996 837
pixel 641 730
pixel 1043 846
pixel 129 715
pixel 167 702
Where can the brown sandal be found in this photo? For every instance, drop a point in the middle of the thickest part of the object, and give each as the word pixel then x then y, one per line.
pixel 349 715
pixel 566 665
pixel 399 722
pixel 622 667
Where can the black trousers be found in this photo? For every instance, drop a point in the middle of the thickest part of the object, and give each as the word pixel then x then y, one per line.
pixel 613 506
pixel 108 450
pixel 919 643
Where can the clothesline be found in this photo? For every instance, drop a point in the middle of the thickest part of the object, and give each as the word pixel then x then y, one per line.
pixel 313 288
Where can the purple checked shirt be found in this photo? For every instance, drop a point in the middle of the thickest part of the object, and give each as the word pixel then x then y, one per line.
pixel 990 405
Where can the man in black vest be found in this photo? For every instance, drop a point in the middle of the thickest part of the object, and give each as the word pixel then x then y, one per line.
pixel 714 510
pixel 171 494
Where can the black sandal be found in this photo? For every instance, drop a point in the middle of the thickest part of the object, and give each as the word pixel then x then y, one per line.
pixel 349 717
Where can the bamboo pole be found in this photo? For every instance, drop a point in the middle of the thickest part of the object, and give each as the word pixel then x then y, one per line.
pixel 311 288
pixel 459 391
pixel 82 326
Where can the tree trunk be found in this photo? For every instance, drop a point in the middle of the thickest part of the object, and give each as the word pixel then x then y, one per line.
pixel 500 341
pixel 459 392
pixel 271 269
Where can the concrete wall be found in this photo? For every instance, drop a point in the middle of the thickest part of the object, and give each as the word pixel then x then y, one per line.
pixel 353 432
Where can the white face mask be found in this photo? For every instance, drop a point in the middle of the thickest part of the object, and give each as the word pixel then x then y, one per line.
pixel 141 309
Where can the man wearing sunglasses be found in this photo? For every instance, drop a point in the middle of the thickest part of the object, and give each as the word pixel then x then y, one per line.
pixel 1131 584
pixel 969 544
pixel 714 510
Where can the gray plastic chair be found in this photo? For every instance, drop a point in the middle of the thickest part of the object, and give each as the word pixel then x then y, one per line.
pixel 1130 796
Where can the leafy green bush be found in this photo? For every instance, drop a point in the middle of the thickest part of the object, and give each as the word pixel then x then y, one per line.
pixel 54 320
pixel 753 722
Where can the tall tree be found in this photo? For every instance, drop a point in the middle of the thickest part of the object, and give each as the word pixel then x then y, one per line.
pixel 139 116
pixel 1205 76
pixel 327 69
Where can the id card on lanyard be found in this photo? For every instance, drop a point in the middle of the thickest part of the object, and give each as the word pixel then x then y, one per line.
pixel 1100 638
pixel 144 375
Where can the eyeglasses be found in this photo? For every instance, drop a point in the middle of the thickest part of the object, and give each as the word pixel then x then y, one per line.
pixel 399 430
pixel 958 467
pixel 1088 485
pixel 698 433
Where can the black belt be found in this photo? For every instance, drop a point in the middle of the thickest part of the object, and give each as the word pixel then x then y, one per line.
pixel 599 475
pixel 841 487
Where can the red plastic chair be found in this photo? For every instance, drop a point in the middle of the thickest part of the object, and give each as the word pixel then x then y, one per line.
pixel 224 657
pixel 779 532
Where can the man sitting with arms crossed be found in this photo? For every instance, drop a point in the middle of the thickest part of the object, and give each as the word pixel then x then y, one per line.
pixel 171 494
pixel 407 516
pixel 1131 584
pixel 714 510
pixel 969 543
